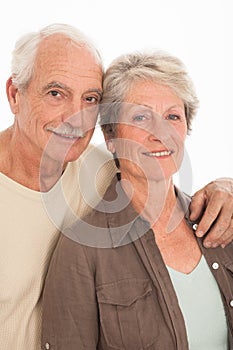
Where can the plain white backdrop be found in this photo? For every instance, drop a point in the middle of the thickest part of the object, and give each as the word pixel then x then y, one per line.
pixel 199 32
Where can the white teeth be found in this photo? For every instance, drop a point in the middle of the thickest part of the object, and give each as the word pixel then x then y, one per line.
pixel 158 154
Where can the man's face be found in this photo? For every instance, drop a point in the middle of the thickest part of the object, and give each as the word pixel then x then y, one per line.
pixel 57 113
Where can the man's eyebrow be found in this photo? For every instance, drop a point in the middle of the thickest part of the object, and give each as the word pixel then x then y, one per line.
pixel 98 91
pixel 55 84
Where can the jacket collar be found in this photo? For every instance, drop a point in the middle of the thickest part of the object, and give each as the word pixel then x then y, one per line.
pixel 128 225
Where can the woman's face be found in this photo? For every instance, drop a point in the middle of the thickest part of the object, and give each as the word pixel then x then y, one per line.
pixel 151 132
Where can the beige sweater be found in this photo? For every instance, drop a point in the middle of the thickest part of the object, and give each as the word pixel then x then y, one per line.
pixel 30 223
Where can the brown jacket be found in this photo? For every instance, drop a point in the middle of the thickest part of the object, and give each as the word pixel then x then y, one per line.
pixel 120 296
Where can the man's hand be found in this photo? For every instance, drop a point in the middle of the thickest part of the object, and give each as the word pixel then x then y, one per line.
pixel 215 202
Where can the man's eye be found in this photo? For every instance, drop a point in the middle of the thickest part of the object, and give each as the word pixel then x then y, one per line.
pixel 54 93
pixel 92 99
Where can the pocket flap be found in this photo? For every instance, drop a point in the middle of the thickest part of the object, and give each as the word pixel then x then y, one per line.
pixel 229 266
pixel 124 292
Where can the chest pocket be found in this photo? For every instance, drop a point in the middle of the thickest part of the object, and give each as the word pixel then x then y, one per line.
pixel 128 314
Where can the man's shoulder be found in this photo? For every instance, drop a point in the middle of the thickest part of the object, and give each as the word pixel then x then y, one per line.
pixel 98 161
pixel 95 157
pixel 99 151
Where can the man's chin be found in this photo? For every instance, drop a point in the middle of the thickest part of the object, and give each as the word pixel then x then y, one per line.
pixel 73 155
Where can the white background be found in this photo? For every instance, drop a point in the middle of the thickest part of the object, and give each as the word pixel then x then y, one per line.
pixel 199 32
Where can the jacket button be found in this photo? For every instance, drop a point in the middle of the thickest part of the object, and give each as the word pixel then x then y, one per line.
pixel 215 265
pixel 231 303
pixel 47 346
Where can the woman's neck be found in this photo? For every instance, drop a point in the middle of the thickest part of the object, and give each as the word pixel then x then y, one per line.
pixel 154 200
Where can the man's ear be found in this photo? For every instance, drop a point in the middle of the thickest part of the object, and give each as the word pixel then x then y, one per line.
pixel 111 146
pixel 12 95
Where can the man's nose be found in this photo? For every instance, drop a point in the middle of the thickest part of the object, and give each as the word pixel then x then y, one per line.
pixel 75 119
pixel 74 114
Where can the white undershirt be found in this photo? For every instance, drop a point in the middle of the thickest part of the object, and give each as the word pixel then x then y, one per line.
pixel 201 304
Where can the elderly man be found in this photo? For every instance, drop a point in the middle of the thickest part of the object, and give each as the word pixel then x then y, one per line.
pixel 49 173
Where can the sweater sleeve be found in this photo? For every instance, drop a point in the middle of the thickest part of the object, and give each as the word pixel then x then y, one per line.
pixel 70 313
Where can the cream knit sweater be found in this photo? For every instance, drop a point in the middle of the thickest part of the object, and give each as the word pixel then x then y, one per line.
pixel 29 230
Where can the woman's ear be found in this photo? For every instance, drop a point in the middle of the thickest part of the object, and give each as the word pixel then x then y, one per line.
pixel 12 95
pixel 110 146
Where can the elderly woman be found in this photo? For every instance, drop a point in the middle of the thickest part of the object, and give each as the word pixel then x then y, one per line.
pixel 133 275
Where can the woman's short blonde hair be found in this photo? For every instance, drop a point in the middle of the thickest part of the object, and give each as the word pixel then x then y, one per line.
pixel 158 66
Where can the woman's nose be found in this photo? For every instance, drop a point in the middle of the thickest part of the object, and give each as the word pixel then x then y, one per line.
pixel 159 129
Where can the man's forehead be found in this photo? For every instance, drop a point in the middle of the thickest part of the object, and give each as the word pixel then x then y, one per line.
pixel 58 48
pixel 58 62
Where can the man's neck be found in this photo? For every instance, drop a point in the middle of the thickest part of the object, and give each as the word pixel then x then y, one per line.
pixel 26 169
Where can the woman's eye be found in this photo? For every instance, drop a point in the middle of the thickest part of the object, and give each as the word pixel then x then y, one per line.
pixel 139 118
pixel 173 117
